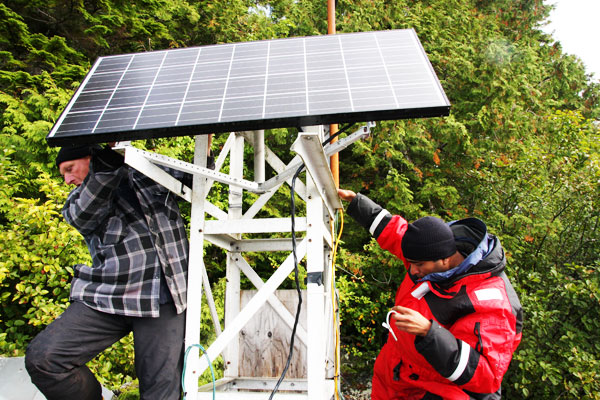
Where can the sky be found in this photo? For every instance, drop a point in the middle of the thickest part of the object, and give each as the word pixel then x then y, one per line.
pixel 576 25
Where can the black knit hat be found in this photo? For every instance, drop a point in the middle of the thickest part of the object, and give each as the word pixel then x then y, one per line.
pixel 69 153
pixel 428 239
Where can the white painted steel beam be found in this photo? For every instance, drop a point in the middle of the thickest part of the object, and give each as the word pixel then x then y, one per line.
pixel 233 288
pixel 257 245
pixel 243 395
pixel 253 389
pixel 262 225
pixel 315 293
pixel 360 134
pixel 284 172
pixel 200 171
pixel 195 269
pixel 251 383
pixel 308 146
pixel 136 159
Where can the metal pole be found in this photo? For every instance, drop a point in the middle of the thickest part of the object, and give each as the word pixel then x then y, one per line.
pixel 259 156
pixel 334 161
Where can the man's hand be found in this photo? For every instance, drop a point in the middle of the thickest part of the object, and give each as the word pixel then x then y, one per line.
pixel 346 195
pixel 411 321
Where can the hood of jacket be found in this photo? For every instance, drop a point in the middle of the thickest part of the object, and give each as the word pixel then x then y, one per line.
pixel 487 255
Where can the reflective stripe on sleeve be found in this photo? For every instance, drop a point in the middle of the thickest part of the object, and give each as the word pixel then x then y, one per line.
pixel 377 220
pixel 465 350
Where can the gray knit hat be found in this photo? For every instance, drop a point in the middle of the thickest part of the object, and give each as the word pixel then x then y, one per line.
pixel 428 239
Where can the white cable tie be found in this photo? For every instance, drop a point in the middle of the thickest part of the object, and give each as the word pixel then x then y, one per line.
pixel 386 324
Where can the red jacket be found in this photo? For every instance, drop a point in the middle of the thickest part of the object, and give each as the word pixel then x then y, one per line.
pixel 476 317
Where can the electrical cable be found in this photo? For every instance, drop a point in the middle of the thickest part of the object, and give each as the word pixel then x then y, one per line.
pixel 293 223
pixel 338 133
pixel 212 372
pixel 293 212
pixel 335 310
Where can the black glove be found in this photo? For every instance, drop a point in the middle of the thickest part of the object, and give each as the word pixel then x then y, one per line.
pixel 106 159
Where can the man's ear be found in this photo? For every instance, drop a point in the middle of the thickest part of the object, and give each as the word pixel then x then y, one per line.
pixel 447 263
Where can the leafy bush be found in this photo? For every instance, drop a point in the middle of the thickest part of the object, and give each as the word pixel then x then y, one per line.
pixel 558 357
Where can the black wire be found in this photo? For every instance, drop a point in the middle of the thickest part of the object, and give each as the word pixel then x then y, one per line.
pixel 293 217
pixel 338 133
pixel 293 212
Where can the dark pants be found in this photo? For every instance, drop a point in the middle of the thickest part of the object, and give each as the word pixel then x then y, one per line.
pixel 56 358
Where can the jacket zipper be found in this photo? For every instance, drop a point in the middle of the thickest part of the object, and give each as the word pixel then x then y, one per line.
pixel 477 332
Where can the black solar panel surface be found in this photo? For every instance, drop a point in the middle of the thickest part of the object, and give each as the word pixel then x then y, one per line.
pixel 352 77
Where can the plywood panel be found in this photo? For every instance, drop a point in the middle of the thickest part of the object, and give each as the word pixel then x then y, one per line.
pixel 265 340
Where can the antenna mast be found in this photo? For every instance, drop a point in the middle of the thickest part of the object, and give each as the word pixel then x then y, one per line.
pixel 334 161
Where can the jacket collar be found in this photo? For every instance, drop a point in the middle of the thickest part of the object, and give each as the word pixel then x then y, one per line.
pixel 474 231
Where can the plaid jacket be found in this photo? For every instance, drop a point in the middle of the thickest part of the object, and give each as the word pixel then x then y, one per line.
pixel 127 249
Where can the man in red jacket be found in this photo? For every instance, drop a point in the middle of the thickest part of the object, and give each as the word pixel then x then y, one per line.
pixel 457 319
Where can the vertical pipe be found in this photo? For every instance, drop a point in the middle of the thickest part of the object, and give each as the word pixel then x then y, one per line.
pixel 259 156
pixel 331 17
pixel 334 160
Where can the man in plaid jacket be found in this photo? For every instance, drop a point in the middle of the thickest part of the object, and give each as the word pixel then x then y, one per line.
pixel 137 281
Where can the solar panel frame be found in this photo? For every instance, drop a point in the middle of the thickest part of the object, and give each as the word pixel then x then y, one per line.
pixel 292 82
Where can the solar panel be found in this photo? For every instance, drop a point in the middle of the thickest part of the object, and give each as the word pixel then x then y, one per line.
pixel 352 77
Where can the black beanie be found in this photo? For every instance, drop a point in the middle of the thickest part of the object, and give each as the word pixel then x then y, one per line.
pixel 69 153
pixel 428 239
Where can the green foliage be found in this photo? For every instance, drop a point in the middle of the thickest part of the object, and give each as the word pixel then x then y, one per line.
pixel 364 310
pixel 37 250
pixel 114 367
pixel 559 353
pixel 547 207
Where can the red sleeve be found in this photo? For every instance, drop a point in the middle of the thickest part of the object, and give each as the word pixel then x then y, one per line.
pixel 391 236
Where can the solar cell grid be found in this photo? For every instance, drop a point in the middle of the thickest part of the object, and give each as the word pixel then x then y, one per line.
pixel 254 85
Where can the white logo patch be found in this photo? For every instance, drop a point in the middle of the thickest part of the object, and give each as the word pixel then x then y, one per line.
pixel 488 294
pixel 421 291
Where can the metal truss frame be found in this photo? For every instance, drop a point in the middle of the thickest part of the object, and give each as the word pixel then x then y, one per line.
pixel 227 229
